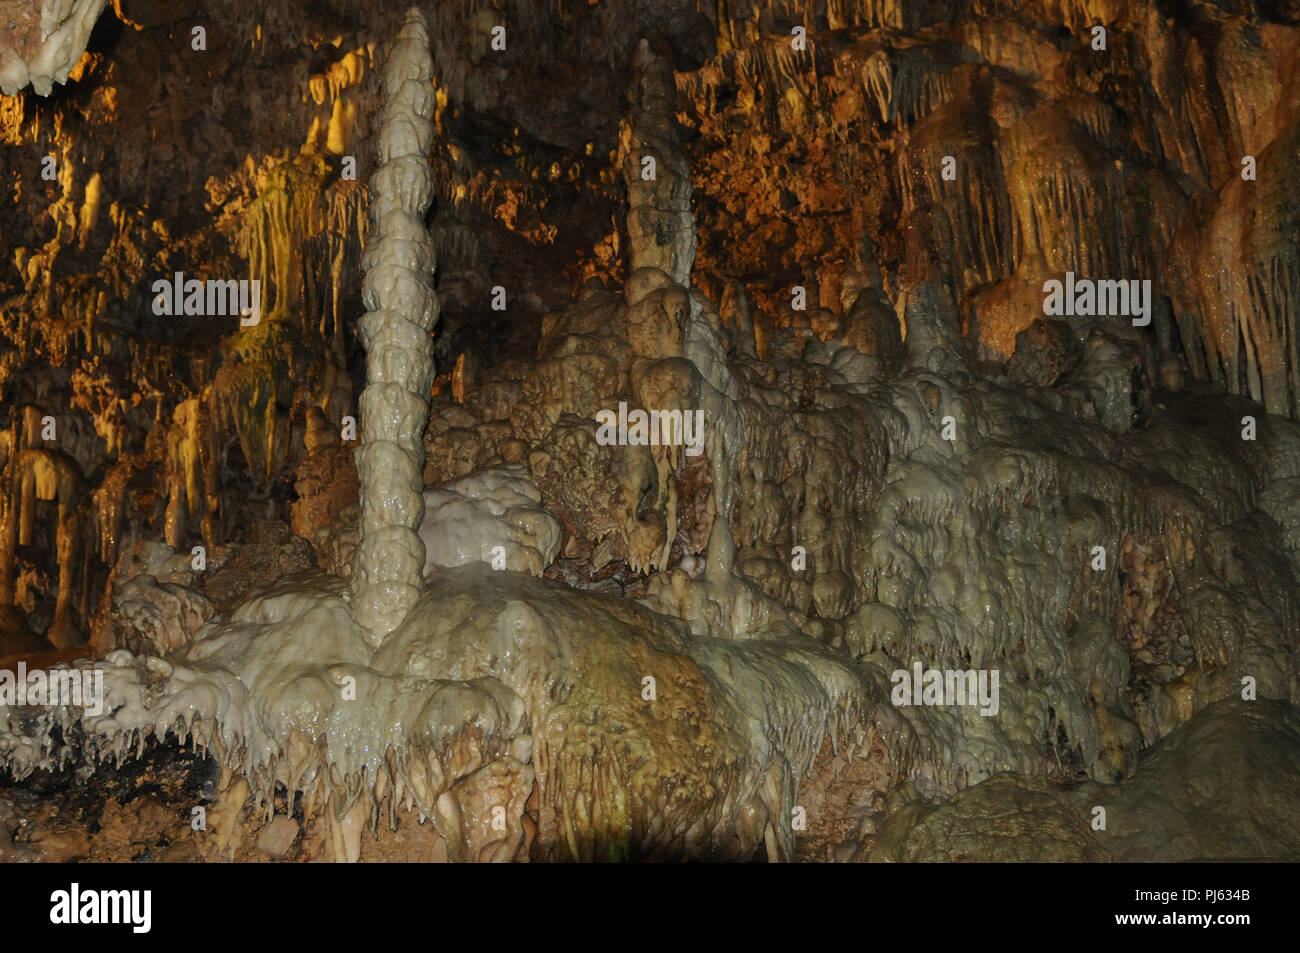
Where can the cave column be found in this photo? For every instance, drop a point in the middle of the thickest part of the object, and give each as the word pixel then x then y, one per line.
pixel 401 312
pixel 660 226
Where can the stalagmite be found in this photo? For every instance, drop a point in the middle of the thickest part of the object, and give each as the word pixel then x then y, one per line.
pixel 399 263
pixel 660 225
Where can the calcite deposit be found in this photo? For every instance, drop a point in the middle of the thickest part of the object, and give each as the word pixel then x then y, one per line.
pixel 43 42
pixel 398 291
pixel 652 435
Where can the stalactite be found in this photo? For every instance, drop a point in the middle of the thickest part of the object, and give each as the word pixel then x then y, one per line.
pixel 53 476
pixel 48 54
pixel 293 231
pixel 109 503
pixel 183 471
pixel 9 514
pixel 1235 274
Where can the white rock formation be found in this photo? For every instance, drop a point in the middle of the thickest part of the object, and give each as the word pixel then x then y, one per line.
pixel 398 291
pixel 45 53
pixel 490 516
pixel 157 618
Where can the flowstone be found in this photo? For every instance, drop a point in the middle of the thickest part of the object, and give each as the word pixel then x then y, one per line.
pixel 587 703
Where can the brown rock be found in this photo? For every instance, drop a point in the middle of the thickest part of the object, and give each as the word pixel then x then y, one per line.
pixel 277 838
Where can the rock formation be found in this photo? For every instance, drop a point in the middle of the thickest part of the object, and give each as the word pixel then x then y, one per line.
pixel 396 330
pixel 43 42
pixel 738 493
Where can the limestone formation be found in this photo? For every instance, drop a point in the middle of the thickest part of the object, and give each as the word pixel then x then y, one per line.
pixel 398 290
pixel 732 475
pixel 44 41
pixel 661 228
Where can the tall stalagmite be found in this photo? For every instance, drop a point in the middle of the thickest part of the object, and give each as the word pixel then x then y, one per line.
pixel 402 310
pixel 658 174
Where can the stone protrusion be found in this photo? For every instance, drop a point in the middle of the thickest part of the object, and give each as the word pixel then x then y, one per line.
pixel 660 226
pixel 398 291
